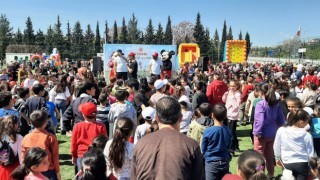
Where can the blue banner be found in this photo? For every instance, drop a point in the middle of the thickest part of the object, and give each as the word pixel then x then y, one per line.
pixel 143 54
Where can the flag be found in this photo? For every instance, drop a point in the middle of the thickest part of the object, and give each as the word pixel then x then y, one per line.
pixel 299 32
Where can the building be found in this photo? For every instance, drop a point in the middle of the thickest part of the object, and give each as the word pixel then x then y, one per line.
pixel 10 57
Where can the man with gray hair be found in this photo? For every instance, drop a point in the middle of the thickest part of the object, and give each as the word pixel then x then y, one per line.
pixel 167 154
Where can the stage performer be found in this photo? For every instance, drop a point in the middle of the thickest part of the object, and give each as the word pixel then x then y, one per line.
pixel 167 64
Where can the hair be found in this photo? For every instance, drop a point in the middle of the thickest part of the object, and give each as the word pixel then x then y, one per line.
pixel 86 87
pixel 317 110
pixel 184 105
pixel 33 157
pixel 99 142
pixel 121 94
pixel 219 112
pixel 269 94
pixel 296 101
pixel 205 109
pixel 199 85
pixel 133 83
pixel 173 82
pixel 113 80
pixel 119 82
pixel 61 86
pixel 313 86
pixel 178 91
pixel 168 110
pixel 38 118
pixel 45 94
pixel 93 165
pixel 252 164
pixel 117 152
pixel 103 98
pixel 7 126
pixel 236 83
pixel 22 92
pixel 5 98
pixel 296 116
pixel 37 88
pixel 314 163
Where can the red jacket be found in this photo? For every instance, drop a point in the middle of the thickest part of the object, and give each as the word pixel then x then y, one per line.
pixel 313 79
pixel 215 91
pixel 82 136
pixel 247 89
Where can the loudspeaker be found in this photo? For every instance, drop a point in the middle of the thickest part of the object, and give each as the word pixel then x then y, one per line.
pixel 97 65
pixel 203 63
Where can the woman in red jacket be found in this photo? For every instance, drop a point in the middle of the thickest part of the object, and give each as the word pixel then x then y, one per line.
pixel 310 77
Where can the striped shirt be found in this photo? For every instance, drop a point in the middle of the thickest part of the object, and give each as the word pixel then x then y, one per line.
pixel 102 114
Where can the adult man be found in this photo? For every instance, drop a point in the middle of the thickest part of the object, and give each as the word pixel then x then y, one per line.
pixel 132 66
pixel 155 65
pixel 120 66
pixel 167 154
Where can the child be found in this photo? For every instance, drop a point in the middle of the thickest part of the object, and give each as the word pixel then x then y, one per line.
pixel 52 110
pixel 84 132
pixel 148 115
pixel 215 145
pixel 35 163
pixel 251 165
pixel 19 105
pixel 103 110
pixel 93 165
pixel 315 167
pixel 199 97
pixel 99 142
pixel 184 83
pixel 121 109
pixel 6 105
pixel 118 151
pixel 232 98
pixel 293 145
pixel 132 87
pixel 39 137
pixel 186 117
pixel 197 126
pixel 315 129
pixel 10 137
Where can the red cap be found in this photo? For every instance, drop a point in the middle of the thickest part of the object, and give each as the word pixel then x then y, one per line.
pixel 155 54
pixel 88 109
pixel 131 54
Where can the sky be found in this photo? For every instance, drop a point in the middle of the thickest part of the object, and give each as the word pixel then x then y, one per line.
pixel 269 22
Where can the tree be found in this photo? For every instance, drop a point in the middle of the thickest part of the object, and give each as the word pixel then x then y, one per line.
pixel 133 31
pixel 97 41
pixel 240 35
pixel 18 37
pixel 29 36
pixel 40 41
pixel 199 33
pixel 77 40
pixel 182 32
pixel 168 33
pixel 247 38
pixel 5 35
pixel 159 35
pixel 223 39
pixel 149 36
pixel 49 39
pixel 89 42
pixel 67 48
pixel 216 44
pixel 123 38
pixel 207 44
pixel 230 36
pixel 107 38
pixel 58 41
pixel 115 33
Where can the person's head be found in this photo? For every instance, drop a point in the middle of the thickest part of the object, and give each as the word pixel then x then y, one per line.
pixel 251 166
pixel 205 109
pixel 184 81
pixel 99 142
pixel 317 110
pixel 179 91
pixel 315 166
pixel 39 118
pixel 35 160
pixel 199 85
pixel 294 103
pixel 103 99
pixel 250 79
pixel 122 132
pixel 46 95
pixel 155 56
pixel 131 56
pixel 168 111
pixel 234 85
pixel 132 86
pixel 219 112
pixel 9 125
pixel 30 75
pixel 112 80
pixel 93 165
pixel 184 105
pixel 6 99
pixel 121 95
pixel 299 118
pixel 311 71
pixel 159 86
pixel 88 110
pixel 269 94
pixel 148 113
pixel 38 89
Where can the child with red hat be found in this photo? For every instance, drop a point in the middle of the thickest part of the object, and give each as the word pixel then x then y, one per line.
pixel 84 132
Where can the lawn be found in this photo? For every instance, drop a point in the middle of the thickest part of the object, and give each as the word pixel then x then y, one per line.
pixel 67 169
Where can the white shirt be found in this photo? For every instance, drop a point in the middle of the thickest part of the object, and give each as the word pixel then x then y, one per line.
pixel 156 66
pixel 58 96
pixel 124 172
pixel 121 64
pixel 140 132
pixel 16 147
pixel 28 83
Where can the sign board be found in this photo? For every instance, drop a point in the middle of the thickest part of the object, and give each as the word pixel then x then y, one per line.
pixel 143 53
pixel 302 50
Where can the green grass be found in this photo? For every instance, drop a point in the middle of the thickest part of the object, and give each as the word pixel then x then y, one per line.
pixel 67 169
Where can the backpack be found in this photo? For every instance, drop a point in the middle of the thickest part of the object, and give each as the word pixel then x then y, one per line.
pixel 7 156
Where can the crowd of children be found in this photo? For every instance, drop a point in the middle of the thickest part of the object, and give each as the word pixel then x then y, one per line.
pixel 106 120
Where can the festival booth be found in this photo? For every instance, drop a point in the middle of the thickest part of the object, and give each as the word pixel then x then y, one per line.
pixel 143 55
pixel 235 51
pixel 36 56
pixel 187 52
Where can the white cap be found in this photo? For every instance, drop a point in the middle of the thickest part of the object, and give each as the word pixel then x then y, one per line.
pixel 165 81
pixel 148 113
pixel 158 84
pixel 309 110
